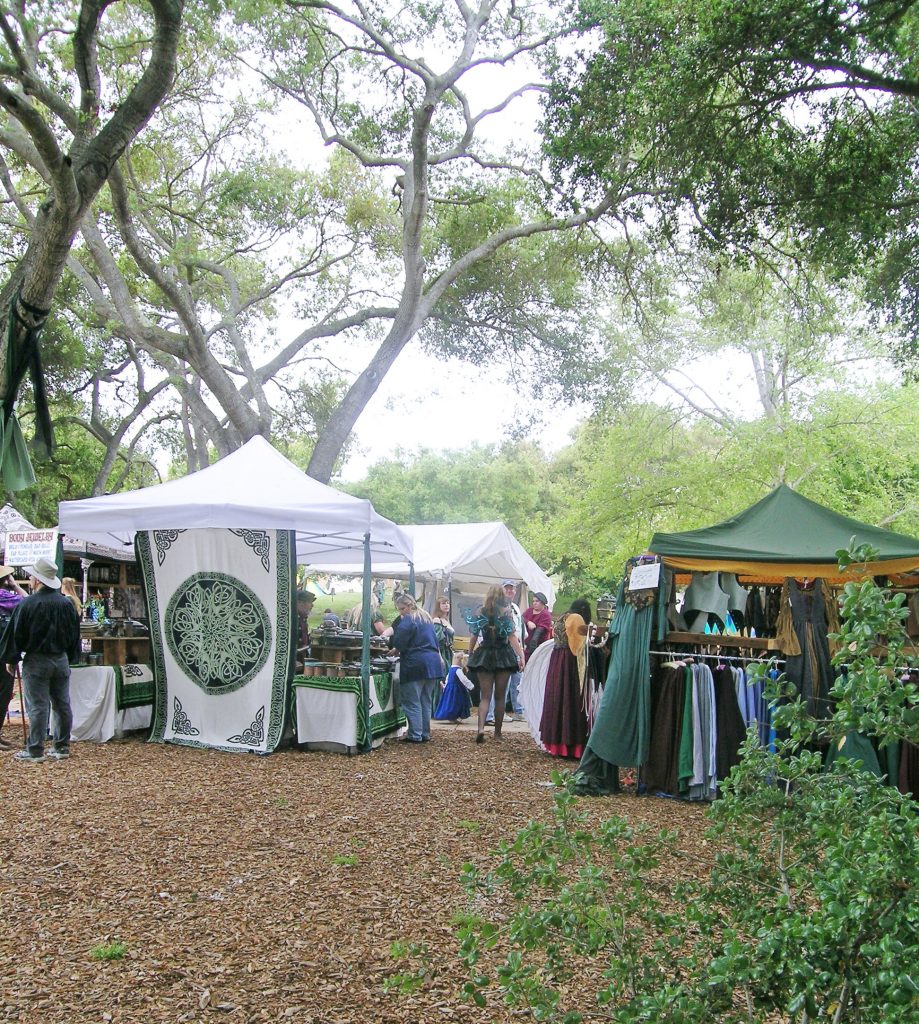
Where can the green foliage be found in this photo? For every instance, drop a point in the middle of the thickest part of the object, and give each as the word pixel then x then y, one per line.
pixel 417 957
pixel 759 119
pixel 347 860
pixel 71 471
pixel 510 482
pixel 638 468
pixel 109 951
pixel 806 909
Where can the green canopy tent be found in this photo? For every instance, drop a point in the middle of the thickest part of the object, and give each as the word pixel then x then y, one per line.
pixel 784 534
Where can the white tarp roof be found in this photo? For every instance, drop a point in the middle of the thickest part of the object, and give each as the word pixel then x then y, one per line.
pixel 253 488
pixel 480 553
pixel 12 520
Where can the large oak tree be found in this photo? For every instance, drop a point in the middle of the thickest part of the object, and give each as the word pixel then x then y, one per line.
pixel 59 119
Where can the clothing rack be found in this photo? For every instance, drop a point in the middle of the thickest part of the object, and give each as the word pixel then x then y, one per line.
pixel 719 657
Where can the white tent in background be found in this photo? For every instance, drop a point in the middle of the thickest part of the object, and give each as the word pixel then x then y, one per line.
pixel 253 488
pixel 478 555
pixel 12 520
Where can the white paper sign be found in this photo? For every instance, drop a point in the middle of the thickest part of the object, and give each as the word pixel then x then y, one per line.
pixel 23 547
pixel 645 577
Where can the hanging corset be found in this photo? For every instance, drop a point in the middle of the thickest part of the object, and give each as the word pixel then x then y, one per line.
pixel 737 597
pixel 704 597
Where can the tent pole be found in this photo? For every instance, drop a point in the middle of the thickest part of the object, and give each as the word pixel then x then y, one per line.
pixel 411 578
pixel 365 647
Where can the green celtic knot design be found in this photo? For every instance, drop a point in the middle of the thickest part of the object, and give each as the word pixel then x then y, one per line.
pixel 218 631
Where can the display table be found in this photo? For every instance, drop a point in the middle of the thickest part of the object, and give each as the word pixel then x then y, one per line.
pixel 109 700
pixel 328 713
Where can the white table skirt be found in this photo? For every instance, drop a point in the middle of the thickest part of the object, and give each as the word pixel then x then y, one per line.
pixel 96 717
pixel 328 712
pixel 326 716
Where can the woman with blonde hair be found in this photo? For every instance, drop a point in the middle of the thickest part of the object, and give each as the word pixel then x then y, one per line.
pixel 496 655
pixel 420 666
pixel 69 589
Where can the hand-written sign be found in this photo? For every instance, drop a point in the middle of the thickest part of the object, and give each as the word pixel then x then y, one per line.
pixel 645 577
pixel 23 547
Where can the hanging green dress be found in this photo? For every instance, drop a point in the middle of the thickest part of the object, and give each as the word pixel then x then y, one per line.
pixel 621 731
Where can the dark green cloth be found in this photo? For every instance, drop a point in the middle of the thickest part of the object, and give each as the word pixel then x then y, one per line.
pixel 595 777
pixel 856 747
pixel 686 769
pixel 15 464
pixel 621 731
pixel 783 527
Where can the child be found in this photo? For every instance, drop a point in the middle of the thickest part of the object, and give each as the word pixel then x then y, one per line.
pixel 454 703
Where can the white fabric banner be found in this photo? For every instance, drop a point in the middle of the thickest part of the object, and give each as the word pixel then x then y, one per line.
pixel 221 606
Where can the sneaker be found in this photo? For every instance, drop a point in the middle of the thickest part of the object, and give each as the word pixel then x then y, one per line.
pixel 24 755
pixel 489 721
pixel 59 755
pixel 508 718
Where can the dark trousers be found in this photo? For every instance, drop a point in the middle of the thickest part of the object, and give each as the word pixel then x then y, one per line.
pixel 6 692
pixel 46 685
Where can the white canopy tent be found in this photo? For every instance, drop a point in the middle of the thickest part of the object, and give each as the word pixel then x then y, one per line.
pixel 253 488
pixel 481 554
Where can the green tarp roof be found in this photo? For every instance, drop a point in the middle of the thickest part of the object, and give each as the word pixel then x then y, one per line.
pixel 784 527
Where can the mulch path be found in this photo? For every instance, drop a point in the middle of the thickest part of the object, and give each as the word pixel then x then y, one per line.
pixel 252 889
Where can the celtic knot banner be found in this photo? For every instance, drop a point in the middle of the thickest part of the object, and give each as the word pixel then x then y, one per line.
pixel 222 634
pixel 218 631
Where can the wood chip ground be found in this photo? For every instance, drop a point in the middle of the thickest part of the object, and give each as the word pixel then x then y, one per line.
pixel 250 889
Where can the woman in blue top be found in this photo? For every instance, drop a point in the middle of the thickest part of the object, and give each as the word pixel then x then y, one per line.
pixel 496 654
pixel 420 666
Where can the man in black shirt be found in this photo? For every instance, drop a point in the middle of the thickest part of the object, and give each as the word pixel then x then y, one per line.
pixel 46 629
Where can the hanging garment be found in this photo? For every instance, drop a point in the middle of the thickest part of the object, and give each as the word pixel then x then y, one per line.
pixel 563 725
pixel 908 775
pixel 737 598
pixel 533 688
pixel 621 732
pixel 702 785
pixel 704 598
pixel 912 622
pixel 730 728
pixel 668 690
pixel 805 620
pixel 754 615
pixel 594 682
pixel 771 607
pixel 675 618
pixel 855 747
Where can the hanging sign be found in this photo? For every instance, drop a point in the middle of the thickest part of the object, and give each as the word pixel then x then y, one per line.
pixel 645 577
pixel 23 547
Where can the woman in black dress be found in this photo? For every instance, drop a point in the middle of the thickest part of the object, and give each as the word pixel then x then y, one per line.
pixel 496 654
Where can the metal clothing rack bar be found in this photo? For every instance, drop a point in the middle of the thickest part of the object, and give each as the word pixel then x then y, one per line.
pixel 720 657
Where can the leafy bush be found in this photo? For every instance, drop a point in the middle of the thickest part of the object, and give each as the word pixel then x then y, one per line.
pixel 807 910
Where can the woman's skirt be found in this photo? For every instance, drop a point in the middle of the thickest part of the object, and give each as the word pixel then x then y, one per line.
pixel 563 726
pixel 500 658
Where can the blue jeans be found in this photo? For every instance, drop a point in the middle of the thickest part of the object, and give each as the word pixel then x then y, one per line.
pixel 46 685
pixel 415 698
pixel 513 694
